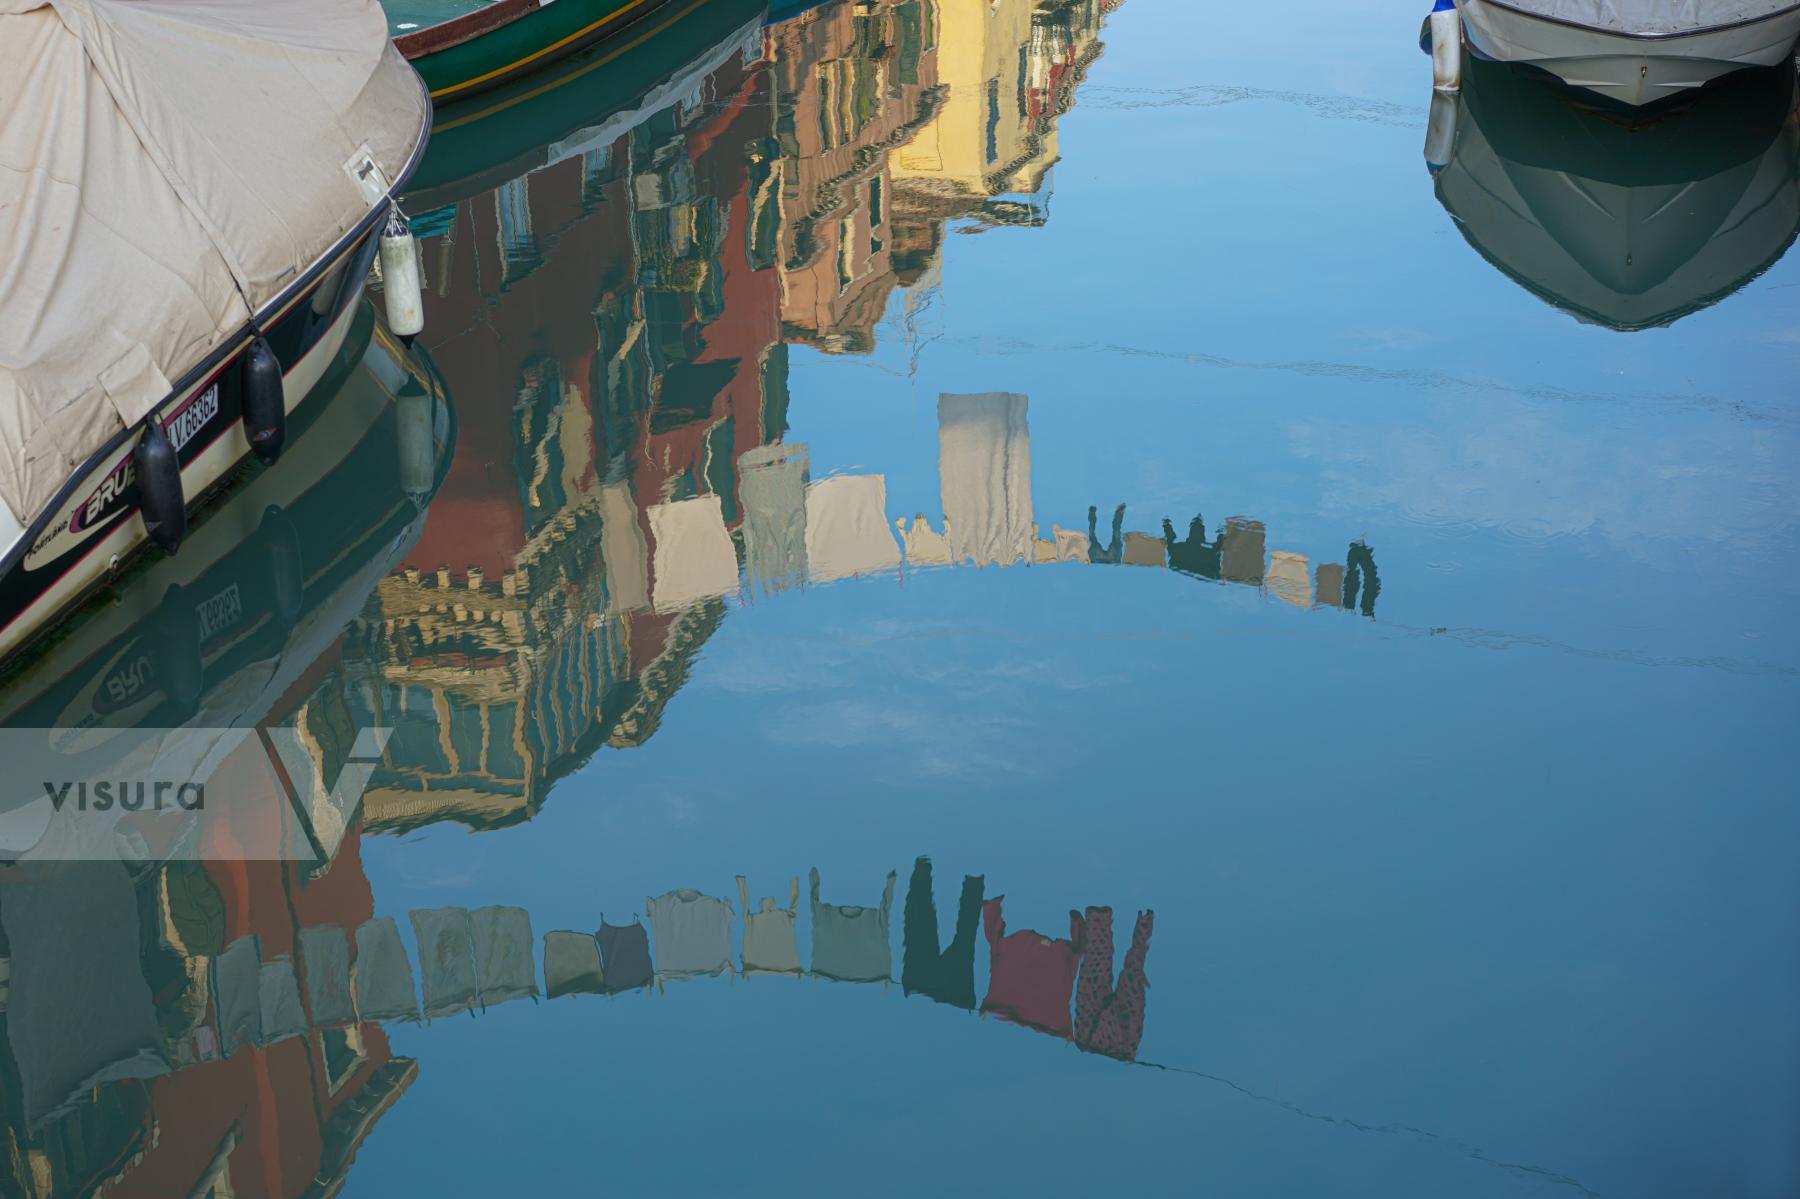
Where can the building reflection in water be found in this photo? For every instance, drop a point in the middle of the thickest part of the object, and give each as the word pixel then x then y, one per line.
pixel 634 291
pixel 612 298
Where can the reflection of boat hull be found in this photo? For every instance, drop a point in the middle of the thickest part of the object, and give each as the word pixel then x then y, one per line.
pixel 1631 69
pixel 1628 224
pixel 265 581
pixel 784 10
pixel 497 43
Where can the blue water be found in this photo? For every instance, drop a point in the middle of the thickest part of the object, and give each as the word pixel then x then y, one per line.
pixel 1476 881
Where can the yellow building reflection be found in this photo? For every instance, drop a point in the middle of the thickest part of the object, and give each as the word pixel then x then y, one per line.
pixel 1012 67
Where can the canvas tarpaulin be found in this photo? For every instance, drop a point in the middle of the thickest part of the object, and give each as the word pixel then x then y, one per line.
pixel 166 167
pixel 1650 17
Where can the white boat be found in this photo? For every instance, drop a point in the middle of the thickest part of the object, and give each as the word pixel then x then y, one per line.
pixel 1634 51
pixel 194 196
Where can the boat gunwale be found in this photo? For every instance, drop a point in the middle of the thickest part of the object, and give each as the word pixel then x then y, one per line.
pixel 1629 35
pixel 624 14
pixel 462 188
pixel 463 28
pixel 222 354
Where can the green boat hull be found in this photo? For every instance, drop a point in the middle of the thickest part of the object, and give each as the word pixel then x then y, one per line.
pixel 476 147
pixel 491 46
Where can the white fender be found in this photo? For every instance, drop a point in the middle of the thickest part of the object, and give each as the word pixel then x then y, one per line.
pixel 1446 47
pixel 1440 132
pixel 400 286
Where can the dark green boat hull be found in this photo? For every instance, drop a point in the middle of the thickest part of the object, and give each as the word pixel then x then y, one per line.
pixel 530 41
pixel 476 147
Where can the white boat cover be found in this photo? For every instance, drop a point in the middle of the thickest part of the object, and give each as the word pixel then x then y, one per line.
pixel 1649 17
pixel 166 166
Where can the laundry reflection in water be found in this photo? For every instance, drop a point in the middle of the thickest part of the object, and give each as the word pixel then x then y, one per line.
pixel 468 961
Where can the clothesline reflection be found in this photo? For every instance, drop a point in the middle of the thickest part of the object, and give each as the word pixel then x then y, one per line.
pixel 144 1050
pixel 153 1026
pixel 474 960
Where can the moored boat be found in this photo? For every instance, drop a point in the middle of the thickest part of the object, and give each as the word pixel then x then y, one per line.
pixel 462 47
pixel 272 572
pixel 1634 51
pixel 199 193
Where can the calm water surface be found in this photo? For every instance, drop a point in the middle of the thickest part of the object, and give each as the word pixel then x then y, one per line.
pixel 1250 659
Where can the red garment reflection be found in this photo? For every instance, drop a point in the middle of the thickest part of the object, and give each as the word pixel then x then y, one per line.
pixel 1031 975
